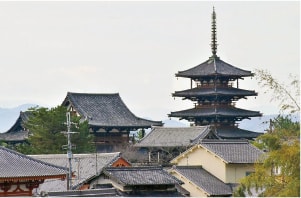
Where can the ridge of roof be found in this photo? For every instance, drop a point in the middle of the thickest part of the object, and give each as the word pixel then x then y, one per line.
pixel 106 110
pixel 173 136
pixel 16 165
pixel 212 67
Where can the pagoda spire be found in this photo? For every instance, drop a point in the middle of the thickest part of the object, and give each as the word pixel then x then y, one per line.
pixel 213 34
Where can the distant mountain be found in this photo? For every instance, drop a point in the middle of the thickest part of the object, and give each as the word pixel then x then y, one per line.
pixel 256 124
pixel 8 116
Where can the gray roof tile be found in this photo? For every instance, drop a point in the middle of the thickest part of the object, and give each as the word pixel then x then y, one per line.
pixel 129 176
pixel 17 165
pixel 217 111
pixel 206 181
pixel 212 67
pixel 234 133
pixel 17 133
pixel 173 136
pixel 84 167
pixel 233 151
pixel 221 91
pixel 106 110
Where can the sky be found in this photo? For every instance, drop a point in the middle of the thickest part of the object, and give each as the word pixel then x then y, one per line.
pixel 135 48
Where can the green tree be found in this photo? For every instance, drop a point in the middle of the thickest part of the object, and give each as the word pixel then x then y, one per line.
pixel 278 173
pixel 140 134
pixel 283 146
pixel 45 137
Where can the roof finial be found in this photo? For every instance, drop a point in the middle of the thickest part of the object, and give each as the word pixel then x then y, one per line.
pixel 213 34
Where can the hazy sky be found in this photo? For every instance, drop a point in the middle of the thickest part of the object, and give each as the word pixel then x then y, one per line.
pixel 135 48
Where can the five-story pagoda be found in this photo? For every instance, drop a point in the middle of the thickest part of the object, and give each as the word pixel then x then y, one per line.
pixel 214 95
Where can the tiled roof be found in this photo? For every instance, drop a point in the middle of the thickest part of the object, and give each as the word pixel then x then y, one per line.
pixel 203 179
pixel 220 111
pixel 84 166
pixel 17 133
pixel 233 151
pixel 106 110
pixel 16 136
pixel 220 91
pixel 234 133
pixel 17 165
pixel 173 136
pixel 129 176
pixel 212 67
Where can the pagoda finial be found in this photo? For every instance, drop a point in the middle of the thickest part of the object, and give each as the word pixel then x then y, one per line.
pixel 213 34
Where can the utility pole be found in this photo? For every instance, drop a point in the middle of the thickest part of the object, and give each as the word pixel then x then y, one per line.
pixel 69 150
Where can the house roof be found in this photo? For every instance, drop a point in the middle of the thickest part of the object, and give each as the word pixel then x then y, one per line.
pixel 214 66
pixel 173 136
pixel 130 176
pixel 203 179
pixel 211 91
pixel 211 111
pixel 14 165
pixel 84 166
pixel 233 151
pixel 17 133
pixel 106 110
pixel 229 151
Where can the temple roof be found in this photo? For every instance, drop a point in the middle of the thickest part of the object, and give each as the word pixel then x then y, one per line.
pixel 130 176
pixel 211 111
pixel 14 165
pixel 214 67
pixel 220 91
pixel 84 167
pixel 235 133
pixel 204 180
pixel 17 133
pixel 106 110
pixel 232 151
pixel 173 136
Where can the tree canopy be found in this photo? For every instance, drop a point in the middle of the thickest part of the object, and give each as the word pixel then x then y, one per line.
pixel 278 173
pixel 45 132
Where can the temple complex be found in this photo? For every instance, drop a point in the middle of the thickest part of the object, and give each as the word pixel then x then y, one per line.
pixel 214 93
pixel 109 119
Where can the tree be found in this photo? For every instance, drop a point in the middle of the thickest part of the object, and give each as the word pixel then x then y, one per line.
pixel 278 173
pixel 45 137
pixel 287 95
pixel 140 134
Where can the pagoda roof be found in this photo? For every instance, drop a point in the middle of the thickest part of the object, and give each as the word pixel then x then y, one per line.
pixel 174 136
pixel 211 91
pixel 236 133
pixel 214 66
pixel 106 110
pixel 213 111
pixel 16 166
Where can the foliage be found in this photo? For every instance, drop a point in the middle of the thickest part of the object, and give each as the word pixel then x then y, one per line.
pixel 287 95
pixel 140 134
pixel 278 173
pixel 45 137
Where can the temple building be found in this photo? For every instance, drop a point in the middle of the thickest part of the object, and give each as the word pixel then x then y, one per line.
pixel 214 93
pixel 17 133
pixel 108 117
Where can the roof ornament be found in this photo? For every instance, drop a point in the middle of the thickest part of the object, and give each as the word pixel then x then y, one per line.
pixel 213 34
